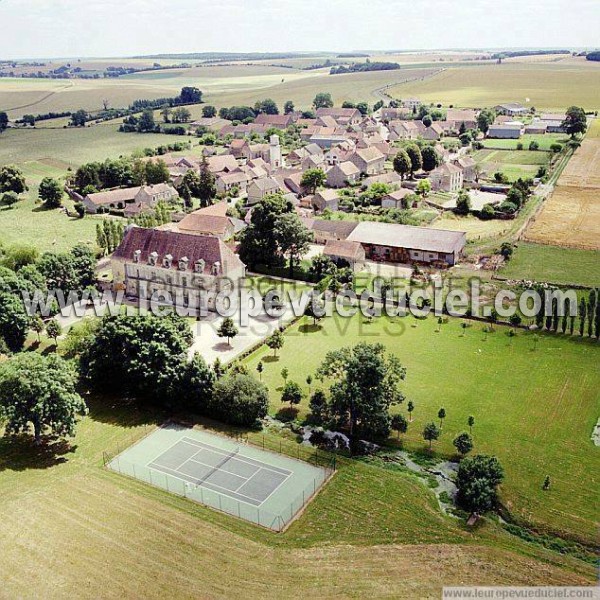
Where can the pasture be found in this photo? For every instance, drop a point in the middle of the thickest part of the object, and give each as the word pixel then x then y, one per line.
pixel 566 266
pixel 571 216
pixel 535 410
pixel 548 86
pixel 513 163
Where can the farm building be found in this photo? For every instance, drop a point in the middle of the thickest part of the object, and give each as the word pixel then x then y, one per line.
pixel 329 230
pixel 390 242
pixel 341 174
pixel 394 199
pixel 510 131
pixel 456 117
pixel 191 268
pixel 554 122
pixel 512 109
pixel 343 252
pixel 130 200
pixel 325 199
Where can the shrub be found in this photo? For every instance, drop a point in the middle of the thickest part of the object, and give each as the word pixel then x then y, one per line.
pixel 240 400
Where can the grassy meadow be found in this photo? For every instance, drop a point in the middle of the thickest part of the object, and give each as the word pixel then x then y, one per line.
pixel 554 264
pixel 535 410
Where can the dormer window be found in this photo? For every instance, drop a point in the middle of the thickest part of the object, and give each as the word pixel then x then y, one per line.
pixel 136 256
pixel 183 263
pixel 167 261
pixel 152 258
pixel 199 266
pixel 216 268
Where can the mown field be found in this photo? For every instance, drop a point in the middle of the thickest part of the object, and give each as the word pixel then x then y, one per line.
pixel 556 265
pixel 72 528
pixel 535 410
pixel 547 86
pixel 513 163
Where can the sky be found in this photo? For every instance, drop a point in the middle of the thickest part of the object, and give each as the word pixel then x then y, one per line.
pixel 103 28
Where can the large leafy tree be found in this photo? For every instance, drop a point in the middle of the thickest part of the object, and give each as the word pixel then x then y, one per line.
pixel 39 392
pixel 477 481
pixel 575 120
pixel 323 100
pixel 266 106
pixel 366 383
pixel 402 164
pixel 414 154
pixel 14 321
pixel 259 243
pixel 293 238
pixel 431 158
pixel 206 189
pixel 312 179
pixel 156 171
pixel 240 399
pixel 485 118
pixel 12 180
pixel 227 329
pixel 143 356
pixel 51 192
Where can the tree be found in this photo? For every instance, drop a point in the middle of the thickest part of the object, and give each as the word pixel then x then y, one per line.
pixel 423 187
pixel 146 122
pixel 79 118
pixel 40 392
pixel 206 189
pixel 470 423
pixel 10 199
pixel 309 381
pixel 463 202
pixel 293 238
pixel 427 120
pixel 399 424
pixel 485 118
pixel 51 192
pixel 312 179
pixel 156 171
pixel 37 325
pixel 288 107
pixel 292 393
pixel 285 374
pixel 416 159
pixel 14 321
pixel 477 481
pixel 366 382
pixel 441 416
pixel 315 309
pixel 240 400
pixel 181 115
pixel 402 164
pixel 12 180
pixel 53 329
pixel 260 368
pixel 431 158
pixel 410 407
pixel 209 112
pixel 267 106
pixel 275 341
pixel 322 100
pixel 575 121
pixel 165 113
pixel 190 95
pixel 227 329
pixel 463 443
pixel 3 121
pixel 431 433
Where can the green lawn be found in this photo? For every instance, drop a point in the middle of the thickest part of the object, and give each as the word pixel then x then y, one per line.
pixel 554 264
pixel 534 409
pixel 544 141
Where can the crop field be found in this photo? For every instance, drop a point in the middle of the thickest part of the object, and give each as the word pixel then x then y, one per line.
pixel 516 394
pixel 547 86
pixel 567 266
pixel 571 216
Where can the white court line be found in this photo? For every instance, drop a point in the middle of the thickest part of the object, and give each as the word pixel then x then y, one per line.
pixel 274 490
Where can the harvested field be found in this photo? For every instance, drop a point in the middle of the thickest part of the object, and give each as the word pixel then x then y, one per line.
pixel 571 216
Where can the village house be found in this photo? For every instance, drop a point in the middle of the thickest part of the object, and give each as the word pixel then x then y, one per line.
pixel 342 116
pixel 191 268
pixel 243 130
pixel 405 130
pixel 295 157
pixel 135 199
pixel 342 174
pixel 259 188
pixel 278 121
pixel 344 253
pixel 434 132
pixel 222 163
pixel 293 183
pixel 211 220
pixel 467 165
pixel 393 114
pixel 394 243
pixel 396 198
pixel 389 178
pixel 324 230
pixel 456 117
pixel 325 199
pixel 225 182
pixel 446 178
pixel 411 103
pixel 370 161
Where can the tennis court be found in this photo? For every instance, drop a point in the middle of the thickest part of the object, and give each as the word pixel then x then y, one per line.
pixel 265 488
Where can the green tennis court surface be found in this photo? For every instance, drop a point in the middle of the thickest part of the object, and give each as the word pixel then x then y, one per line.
pixel 256 485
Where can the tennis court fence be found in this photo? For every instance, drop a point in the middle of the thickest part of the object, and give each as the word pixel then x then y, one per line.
pixel 273 521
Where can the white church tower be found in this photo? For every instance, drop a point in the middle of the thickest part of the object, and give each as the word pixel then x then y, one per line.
pixel 275 152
